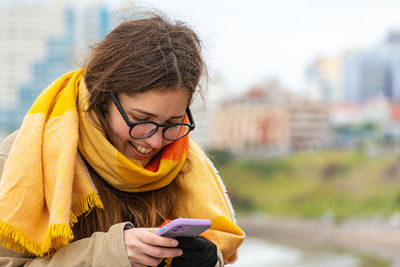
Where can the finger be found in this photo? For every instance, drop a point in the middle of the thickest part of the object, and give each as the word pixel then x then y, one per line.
pixel 152 230
pixel 156 240
pixel 161 252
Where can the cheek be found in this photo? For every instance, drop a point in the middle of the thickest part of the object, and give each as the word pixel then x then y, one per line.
pixel 119 130
pixel 122 132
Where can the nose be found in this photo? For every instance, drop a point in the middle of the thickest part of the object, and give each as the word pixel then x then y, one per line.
pixel 156 140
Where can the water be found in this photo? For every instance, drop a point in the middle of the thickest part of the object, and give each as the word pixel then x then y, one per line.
pixel 259 253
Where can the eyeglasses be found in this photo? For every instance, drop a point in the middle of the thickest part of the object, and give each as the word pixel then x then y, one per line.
pixel 145 129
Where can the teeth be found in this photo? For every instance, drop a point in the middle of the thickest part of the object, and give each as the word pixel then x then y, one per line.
pixel 142 149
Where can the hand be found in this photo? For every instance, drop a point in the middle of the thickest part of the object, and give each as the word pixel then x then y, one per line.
pixel 197 251
pixel 144 248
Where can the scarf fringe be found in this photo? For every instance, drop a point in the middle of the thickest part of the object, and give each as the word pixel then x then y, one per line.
pixel 81 207
pixel 15 240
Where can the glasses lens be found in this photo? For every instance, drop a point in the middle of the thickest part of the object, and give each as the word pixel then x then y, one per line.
pixel 175 132
pixel 143 130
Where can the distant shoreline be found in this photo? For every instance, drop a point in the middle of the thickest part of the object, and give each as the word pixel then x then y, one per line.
pixel 373 238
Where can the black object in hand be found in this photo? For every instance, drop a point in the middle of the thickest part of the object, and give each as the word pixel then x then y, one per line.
pixel 197 251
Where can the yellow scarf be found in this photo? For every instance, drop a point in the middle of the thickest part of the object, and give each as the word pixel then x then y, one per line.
pixel 45 185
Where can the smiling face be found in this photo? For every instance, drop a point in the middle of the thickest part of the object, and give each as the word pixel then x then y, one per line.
pixel 154 105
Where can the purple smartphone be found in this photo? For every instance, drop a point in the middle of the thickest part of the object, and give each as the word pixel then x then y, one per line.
pixel 184 227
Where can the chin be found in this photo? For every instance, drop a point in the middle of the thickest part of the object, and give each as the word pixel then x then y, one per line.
pixel 142 161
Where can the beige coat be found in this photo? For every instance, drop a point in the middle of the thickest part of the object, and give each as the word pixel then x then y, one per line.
pixel 100 250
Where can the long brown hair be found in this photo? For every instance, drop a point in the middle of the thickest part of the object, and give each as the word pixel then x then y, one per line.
pixel 144 209
pixel 150 53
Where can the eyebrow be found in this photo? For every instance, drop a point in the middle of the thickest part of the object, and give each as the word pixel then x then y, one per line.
pixel 153 115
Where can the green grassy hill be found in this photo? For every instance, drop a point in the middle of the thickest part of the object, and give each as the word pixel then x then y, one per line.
pixel 340 184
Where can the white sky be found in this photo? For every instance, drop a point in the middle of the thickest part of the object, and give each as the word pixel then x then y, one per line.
pixel 249 41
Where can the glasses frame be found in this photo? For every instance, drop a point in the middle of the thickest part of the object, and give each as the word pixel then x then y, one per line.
pixel 132 124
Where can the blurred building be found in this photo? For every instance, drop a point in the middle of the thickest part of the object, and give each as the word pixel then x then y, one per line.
pixel 38 43
pixel 309 125
pixel 254 124
pixel 394 127
pixel 251 126
pixel 392 47
pixel 366 75
pixel 372 120
pixel 324 80
pixel 374 72
pixel 357 76
pixel 203 109
pixel 377 110
pixel 269 121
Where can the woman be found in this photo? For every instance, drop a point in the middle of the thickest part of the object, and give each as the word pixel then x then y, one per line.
pixel 103 157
